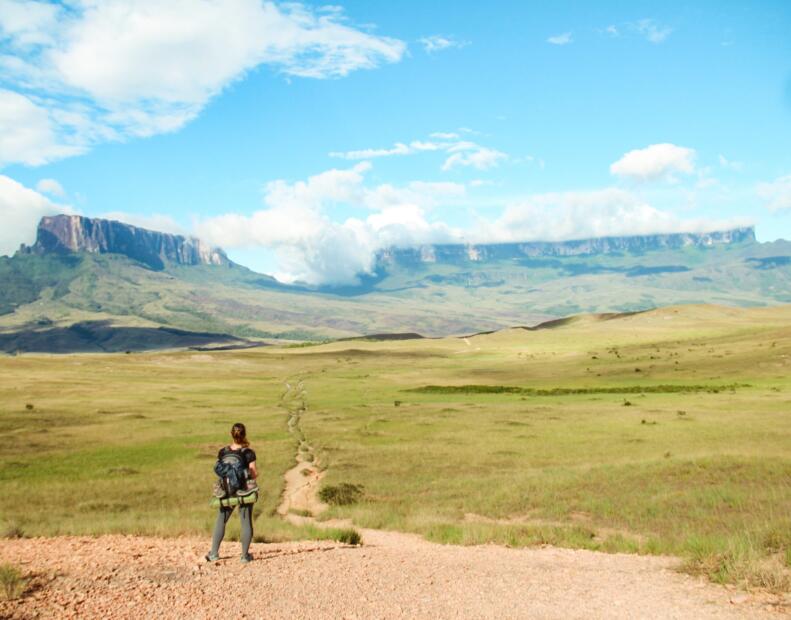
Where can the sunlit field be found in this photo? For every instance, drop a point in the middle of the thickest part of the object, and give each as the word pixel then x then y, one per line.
pixel 666 432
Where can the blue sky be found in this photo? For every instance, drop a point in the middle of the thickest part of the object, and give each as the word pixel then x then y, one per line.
pixel 303 138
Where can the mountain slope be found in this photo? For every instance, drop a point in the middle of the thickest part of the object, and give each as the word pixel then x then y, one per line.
pixel 434 291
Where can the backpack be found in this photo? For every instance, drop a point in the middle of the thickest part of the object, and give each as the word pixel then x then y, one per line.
pixel 231 468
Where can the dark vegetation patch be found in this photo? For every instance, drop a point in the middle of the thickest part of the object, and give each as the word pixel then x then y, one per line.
pixel 380 337
pixel 627 389
pixel 103 336
pixel 770 262
pixel 342 494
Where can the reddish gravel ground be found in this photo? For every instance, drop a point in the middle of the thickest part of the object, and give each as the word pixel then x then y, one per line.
pixel 390 576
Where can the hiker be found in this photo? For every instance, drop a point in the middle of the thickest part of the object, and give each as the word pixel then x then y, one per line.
pixel 237 473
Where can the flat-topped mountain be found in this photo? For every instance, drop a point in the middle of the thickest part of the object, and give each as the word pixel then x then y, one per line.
pixel 61 234
pixel 84 272
pixel 460 253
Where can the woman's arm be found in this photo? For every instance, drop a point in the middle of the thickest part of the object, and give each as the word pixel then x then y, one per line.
pixel 253 470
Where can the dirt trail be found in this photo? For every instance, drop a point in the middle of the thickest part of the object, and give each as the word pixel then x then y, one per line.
pixel 300 492
pixel 391 576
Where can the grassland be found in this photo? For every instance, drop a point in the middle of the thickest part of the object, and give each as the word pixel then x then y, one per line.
pixel 661 432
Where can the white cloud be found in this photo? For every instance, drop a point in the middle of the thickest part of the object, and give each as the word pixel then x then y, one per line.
pixel 462 153
pixel 438 43
pixel 109 70
pixel 612 30
pixel 28 134
pixel 658 161
pixel 51 187
pixel 651 31
pixel 587 214
pixel 21 208
pixel 561 39
pixel 313 248
pixel 777 193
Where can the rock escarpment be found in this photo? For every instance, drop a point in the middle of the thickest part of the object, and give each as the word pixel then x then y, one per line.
pixel 461 253
pixel 61 234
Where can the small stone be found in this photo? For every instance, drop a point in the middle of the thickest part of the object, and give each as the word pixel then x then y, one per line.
pixel 739 598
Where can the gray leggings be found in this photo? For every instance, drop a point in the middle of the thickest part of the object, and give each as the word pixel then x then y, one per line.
pixel 246 518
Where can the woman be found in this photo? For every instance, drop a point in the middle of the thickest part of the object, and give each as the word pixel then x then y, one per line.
pixel 239 445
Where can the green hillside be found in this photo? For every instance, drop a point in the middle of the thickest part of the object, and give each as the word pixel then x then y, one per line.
pixel 434 299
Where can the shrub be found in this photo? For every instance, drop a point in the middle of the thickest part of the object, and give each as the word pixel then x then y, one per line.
pixel 342 494
pixel 11 582
pixel 348 536
pixel 29 406
pixel 12 530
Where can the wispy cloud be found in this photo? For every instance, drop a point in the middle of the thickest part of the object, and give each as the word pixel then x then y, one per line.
pixel 561 39
pixel 460 153
pixel 651 30
pixel 472 155
pixel 76 74
pixel 728 164
pixel 438 43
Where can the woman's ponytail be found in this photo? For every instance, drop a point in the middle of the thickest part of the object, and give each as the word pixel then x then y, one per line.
pixel 239 434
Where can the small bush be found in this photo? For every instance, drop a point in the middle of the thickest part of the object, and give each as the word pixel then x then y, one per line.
pixel 342 494
pixel 29 407
pixel 11 582
pixel 12 530
pixel 396 403
pixel 348 536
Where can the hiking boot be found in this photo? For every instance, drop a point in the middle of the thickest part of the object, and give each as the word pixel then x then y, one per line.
pixel 246 558
pixel 211 558
pixel 219 489
pixel 251 487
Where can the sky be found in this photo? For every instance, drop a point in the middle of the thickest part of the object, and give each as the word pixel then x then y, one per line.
pixel 303 138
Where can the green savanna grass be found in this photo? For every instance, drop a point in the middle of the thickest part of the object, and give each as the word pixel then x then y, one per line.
pixel 588 452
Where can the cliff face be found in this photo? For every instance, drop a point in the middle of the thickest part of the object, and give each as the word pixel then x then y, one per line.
pixel 456 254
pixel 61 234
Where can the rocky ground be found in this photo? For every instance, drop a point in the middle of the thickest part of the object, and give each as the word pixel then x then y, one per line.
pixel 390 576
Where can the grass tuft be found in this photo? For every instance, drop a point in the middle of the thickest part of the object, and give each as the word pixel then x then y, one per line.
pixel 12 582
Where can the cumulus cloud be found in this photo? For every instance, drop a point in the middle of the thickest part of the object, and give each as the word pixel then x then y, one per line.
pixel 29 133
pixel 658 161
pixel 20 210
pixel 84 71
pixel 311 247
pixel 438 43
pixel 561 216
pixel 561 39
pixel 776 194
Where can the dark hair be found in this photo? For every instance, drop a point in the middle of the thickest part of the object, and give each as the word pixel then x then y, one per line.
pixel 239 434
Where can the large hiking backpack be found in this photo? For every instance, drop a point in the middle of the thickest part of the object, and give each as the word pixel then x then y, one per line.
pixel 232 471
